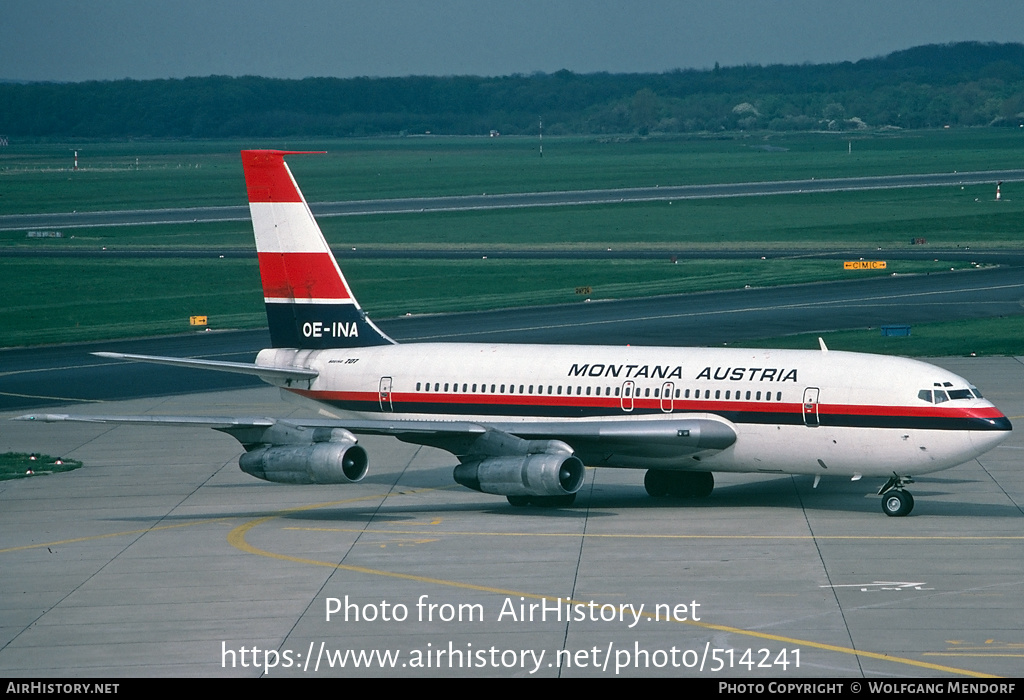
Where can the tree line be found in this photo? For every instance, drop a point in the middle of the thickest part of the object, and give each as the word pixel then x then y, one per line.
pixel 963 84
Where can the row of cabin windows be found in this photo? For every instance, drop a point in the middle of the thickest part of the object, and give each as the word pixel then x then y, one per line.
pixel 553 390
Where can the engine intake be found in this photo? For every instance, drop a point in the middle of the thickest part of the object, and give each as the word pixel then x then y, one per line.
pixel 321 463
pixel 523 475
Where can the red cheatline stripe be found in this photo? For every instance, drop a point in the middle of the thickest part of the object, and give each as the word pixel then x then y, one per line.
pixel 914 411
pixel 267 178
pixel 301 276
pixel 679 405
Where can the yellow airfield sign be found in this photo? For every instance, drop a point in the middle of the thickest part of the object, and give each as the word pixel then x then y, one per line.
pixel 864 265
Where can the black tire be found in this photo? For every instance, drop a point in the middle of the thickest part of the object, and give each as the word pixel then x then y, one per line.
pixel 897 504
pixel 657 483
pixel 703 484
pixel 518 501
pixel 690 484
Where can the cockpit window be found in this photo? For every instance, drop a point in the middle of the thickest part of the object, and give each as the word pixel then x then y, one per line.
pixel 960 394
pixel 940 396
pixel 925 395
pixel 976 392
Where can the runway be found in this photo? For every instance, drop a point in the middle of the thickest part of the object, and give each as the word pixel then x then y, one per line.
pixel 160 558
pixel 69 220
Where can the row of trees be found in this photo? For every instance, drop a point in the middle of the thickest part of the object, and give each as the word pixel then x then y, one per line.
pixel 963 84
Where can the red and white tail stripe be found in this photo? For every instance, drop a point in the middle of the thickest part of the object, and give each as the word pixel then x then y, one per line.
pixel 297 268
pixel 295 262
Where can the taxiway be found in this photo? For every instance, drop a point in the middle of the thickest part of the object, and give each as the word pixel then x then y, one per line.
pixel 161 558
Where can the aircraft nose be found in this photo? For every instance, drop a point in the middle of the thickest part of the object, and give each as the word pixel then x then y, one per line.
pixel 997 429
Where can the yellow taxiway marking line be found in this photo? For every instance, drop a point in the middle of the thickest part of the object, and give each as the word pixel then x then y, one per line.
pixel 237 539
pixel 110 534
pixel 985 656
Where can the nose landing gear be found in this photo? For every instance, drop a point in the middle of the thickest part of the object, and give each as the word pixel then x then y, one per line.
pixel 895 501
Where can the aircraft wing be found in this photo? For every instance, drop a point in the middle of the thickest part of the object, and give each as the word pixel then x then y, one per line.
pixel 680 433
pixel 542 459
pixel 199 421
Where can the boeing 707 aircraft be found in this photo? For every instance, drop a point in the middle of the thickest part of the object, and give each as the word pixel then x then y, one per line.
pixel 523 420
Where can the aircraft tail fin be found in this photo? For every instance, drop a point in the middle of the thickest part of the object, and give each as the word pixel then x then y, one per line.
pixel 309 304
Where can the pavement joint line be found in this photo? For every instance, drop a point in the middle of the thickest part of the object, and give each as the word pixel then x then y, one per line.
pixel 237 538
pixel 124 533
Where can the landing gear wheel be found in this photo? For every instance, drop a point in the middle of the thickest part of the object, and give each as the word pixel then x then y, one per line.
pixel 657 483
pixel 518 501
pixel 701 484
pixel 897 503
pixel 679 484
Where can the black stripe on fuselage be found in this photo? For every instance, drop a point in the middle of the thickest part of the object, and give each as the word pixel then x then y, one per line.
pixel 756 417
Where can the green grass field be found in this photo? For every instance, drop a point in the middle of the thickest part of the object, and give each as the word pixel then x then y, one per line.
pixel 67 299
pixel 19 465
pixel 994 336
pixel 73 299
pixel 144 174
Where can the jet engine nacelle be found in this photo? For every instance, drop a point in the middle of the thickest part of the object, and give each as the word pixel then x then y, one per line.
pixel 321 463
pixel 523 475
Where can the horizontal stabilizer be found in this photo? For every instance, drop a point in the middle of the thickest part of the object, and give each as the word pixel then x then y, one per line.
pixel 217 365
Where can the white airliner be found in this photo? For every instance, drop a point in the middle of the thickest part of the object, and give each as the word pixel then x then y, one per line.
pixel 523 420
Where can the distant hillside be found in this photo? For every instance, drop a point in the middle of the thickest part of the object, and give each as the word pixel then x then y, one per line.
pixel 965 84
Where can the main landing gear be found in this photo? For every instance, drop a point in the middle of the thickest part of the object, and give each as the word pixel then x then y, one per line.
pixel 660 483
pixel 895 501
